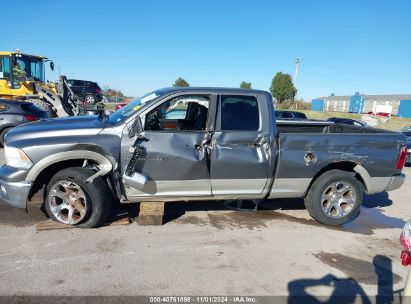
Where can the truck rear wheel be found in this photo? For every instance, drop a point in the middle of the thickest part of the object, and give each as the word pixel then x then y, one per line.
pixel 334 198
pixel 71 200
pixel 90 99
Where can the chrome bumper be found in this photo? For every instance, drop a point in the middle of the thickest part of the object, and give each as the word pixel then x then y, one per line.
pixel 396 182
pixel 14 193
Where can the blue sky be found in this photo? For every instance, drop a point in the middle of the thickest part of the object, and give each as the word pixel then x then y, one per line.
pixel 137 46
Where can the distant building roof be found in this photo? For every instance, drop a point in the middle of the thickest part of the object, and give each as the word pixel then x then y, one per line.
pixel 370 97
pixel 337 97
pixel 388 97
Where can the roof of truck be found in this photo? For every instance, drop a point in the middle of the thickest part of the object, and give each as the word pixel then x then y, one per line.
pixel 213 89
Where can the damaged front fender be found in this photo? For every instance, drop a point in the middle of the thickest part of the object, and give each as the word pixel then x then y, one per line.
pixel 105 165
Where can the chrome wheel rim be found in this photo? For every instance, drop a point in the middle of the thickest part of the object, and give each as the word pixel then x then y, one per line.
pixel 68 202
pixel 338 199
pixel 89 99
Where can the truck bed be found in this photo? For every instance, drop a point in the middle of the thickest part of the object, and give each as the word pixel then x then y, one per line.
pixel 315 126
pixel 376 150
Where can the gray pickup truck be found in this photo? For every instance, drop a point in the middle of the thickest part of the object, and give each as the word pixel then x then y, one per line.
pixel 187 144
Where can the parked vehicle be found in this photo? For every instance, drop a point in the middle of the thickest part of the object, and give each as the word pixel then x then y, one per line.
pixel 14 113
pixel 22 77
pixel 405 240
pixel 347 121
pixel 280 114
pixel 408 143
pixel 88 91
pixel 384 114
pixel 119 106
pixel 226 146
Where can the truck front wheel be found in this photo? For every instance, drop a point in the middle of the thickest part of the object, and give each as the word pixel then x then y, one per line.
pixel 73 201
pixel 334 198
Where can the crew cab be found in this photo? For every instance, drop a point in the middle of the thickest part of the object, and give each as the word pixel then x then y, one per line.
pixel 189 144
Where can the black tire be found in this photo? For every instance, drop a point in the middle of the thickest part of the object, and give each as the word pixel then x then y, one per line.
pixel 90 99
pixel 96 195
pixel 317 205
pixel 3 135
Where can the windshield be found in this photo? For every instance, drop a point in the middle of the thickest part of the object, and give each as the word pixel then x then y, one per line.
pixel 128 110
pixel 28 67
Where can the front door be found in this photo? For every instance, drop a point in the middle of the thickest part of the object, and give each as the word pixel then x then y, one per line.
pixel 241 154
pixel 174 160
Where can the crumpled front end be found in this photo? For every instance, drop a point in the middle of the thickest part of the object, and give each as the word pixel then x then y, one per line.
pixel 14 190
pixel 15 193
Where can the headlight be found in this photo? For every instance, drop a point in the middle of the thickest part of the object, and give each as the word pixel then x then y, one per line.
pixel 16 158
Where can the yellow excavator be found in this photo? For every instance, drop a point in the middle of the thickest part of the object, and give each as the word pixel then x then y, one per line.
pixel 22 77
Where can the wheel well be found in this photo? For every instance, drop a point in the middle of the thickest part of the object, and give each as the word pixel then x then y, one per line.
pixel 343 166
pixel 7 127
pixel 3 129
pixel 46 175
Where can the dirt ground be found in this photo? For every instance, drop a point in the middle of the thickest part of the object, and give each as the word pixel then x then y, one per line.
pixel 206 249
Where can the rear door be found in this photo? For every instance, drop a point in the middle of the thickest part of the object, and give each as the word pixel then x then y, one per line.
pixel 242 161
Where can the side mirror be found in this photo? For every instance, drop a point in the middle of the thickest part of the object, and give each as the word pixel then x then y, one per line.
pixel 136 127
pixel 52 65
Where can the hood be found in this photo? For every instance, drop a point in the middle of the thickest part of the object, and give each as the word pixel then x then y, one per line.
pixel 65 126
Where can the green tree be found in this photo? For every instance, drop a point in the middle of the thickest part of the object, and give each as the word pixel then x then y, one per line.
pixel 282 87
pixel 112 94
pixel 245 85
pixel 180 82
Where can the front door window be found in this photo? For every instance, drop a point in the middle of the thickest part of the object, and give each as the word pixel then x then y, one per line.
pixel 183 113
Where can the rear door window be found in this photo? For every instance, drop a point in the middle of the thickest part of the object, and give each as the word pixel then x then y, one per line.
pixel 239 113
pixel 78 83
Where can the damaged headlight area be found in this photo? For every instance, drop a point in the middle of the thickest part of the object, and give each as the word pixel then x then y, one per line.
pixel 16 158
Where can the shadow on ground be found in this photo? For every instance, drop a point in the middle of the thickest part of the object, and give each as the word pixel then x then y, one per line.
pixel 372 216
pixel 348 290
pixel 377 200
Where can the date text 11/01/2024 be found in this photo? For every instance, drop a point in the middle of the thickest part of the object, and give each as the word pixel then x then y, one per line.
pixel 203 299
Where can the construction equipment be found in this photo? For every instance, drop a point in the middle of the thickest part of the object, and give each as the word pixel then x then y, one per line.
pixel 22 77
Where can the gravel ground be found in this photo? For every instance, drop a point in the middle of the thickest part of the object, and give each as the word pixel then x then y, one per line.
pixel 205 249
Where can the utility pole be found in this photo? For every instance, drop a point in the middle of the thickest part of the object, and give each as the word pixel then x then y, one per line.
pixel 296 64
pixel 59 71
